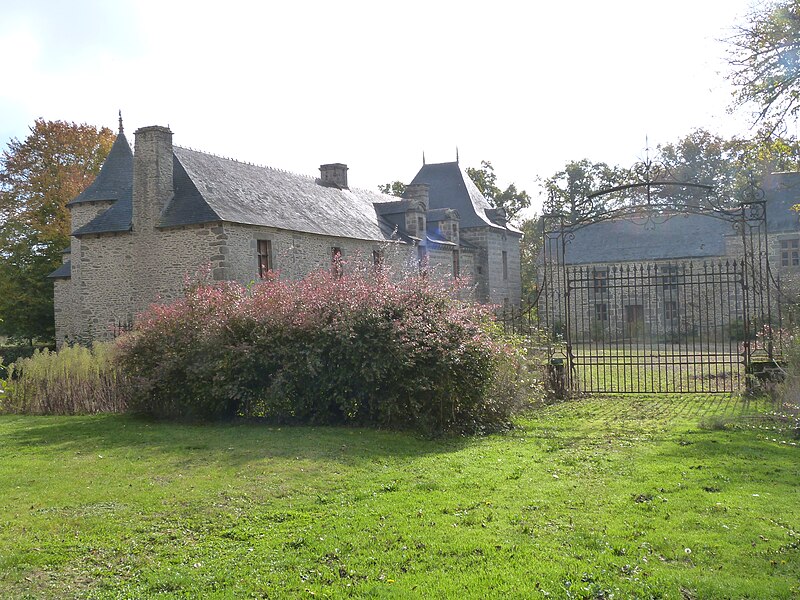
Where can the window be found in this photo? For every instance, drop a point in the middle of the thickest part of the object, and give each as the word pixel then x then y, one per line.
pixel 669 278
pixel 377 259
pixel 505 265
pixel 601 312
pixel 420 226
pixel 336 261
pixel 600 281
pixel 455 231
pixel 670 310
pixel 264 251
pixel 790 253
pixel 456 267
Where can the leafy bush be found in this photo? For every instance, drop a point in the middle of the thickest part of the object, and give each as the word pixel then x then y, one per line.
pixel 359 349
pixel 74 380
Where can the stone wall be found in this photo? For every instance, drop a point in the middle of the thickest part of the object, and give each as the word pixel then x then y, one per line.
pixel 109 288
pixel 81 214
pixel 64 308
pixel 677 300
pixel 295 254
pixel 495 283
pixel 113 290
pixel 477 236
pixel 68 302
pixel 505 282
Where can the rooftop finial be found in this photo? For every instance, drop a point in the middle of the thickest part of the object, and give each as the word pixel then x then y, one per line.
pixel 121 130
pixel 456 154
pixel 423 158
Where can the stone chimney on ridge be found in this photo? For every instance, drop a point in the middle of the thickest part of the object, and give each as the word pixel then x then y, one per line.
pixel 334 175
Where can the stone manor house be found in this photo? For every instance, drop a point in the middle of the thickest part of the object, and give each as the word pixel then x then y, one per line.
pixel 159 213
pixel 638 277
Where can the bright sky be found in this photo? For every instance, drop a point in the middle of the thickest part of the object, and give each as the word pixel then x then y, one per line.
pixel 294 84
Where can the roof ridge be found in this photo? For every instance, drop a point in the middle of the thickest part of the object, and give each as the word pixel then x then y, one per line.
pixel 277 169
pixel 248 163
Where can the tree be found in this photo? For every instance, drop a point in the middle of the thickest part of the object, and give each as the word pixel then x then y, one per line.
pixel 529 249
pixel 38 176
pixel 730 166
pixel 568 190
pixel 395 188
pixel 764 56
pixel 511 200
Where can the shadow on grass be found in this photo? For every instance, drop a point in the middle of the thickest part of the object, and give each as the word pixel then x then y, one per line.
pixel 670 408
pixel 748 461
pixel 231 443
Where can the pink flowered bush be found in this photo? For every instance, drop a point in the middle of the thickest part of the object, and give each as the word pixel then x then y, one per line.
pixel 359 349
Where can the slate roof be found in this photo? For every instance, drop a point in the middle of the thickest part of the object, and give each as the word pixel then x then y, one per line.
pixel 435 215
pixel 115 180
pixel 782 191
pixel 393 207
pixel 211 188
pixel 116 219
pixel 62 272
pixel 451 187
pixel 679 237
pixel 682 236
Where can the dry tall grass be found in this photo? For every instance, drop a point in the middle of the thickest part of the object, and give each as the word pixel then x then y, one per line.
pixel 74 380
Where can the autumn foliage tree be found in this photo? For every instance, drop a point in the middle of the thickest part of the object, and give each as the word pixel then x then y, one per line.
pixel 38 176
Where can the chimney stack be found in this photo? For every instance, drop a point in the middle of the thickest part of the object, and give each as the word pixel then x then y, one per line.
pixel 334 175
pixel 152 175
pixel 418 192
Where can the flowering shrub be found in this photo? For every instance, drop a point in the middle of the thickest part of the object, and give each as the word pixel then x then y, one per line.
pixel 358 349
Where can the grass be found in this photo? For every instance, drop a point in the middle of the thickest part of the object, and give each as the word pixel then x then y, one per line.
pixel 663 497
pixel 662 368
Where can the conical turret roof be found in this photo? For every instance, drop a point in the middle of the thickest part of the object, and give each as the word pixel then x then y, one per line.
pixel 115 180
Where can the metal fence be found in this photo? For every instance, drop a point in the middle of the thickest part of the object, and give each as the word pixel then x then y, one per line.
pixel 660 325
pixel 649 327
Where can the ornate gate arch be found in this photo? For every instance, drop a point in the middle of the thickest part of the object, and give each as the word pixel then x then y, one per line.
pixel 650 318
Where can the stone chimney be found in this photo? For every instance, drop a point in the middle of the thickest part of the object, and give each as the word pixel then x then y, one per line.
pixel 418 192
pixel 334 175
pixel 152 175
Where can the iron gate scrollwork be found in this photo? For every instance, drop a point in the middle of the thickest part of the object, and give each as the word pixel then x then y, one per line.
pixel 657 324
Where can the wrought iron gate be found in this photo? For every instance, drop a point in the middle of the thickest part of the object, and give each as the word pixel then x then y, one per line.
pixel 651 326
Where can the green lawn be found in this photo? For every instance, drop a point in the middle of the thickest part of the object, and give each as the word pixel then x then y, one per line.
pixel 617 497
